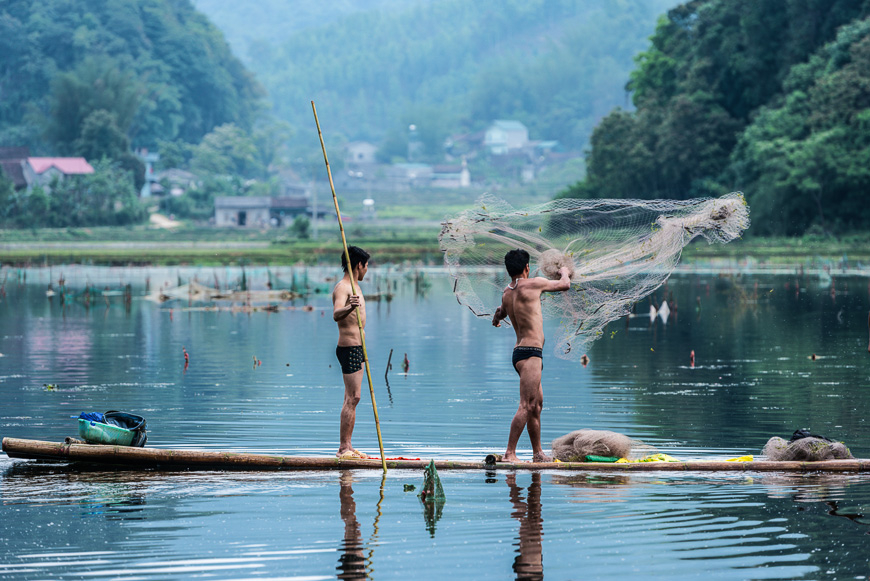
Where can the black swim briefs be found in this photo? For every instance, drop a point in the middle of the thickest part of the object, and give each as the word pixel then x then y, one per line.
pixel 350 358
pixel 523 352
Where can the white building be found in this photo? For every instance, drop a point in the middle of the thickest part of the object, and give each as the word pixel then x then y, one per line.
pixel 360 152
pixel 506 136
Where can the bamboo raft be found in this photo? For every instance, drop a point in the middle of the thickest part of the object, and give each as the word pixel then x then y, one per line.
pixel 208 460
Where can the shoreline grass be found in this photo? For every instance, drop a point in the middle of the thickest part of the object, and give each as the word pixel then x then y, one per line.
pixel 397 242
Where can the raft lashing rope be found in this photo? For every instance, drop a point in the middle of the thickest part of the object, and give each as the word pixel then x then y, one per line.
pixel 616 251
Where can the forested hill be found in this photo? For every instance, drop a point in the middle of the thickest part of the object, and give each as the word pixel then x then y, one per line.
pixel 771 98
pixel 143 70
pixel 251 27
pixel 453 66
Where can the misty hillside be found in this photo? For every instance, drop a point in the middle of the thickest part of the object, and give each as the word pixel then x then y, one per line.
pixel 447 66
pixel 250 27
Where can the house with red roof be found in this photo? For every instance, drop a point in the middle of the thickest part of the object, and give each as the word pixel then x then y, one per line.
pixel 42 170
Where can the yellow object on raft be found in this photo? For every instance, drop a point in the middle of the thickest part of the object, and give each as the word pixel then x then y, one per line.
pixel 748 458
pixel 652 458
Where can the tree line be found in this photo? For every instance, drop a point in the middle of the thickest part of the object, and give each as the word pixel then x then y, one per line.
pixel 101 79
pixel 771 98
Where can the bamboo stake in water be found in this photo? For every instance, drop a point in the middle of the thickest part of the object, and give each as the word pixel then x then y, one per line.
pixel 352 288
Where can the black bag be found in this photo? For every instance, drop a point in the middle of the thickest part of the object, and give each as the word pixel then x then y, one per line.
pixel 805 433
pixel 129 421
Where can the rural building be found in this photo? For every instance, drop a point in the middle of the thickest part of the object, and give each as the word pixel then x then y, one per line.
pixel 451 176
pixel 27 172
pixel 242 211
pixel 12 161
pixel 175 182
pixel 151 185
pixel 506 136
pixel 259 211
pixel 42 171
pixel 360 152
pixel 406 175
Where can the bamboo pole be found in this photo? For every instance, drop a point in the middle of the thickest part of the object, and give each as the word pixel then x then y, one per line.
pixel 352 288
pixel 214 460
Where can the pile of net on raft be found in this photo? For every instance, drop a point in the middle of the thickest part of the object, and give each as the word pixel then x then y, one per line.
pixel 597 445
pixel 616 251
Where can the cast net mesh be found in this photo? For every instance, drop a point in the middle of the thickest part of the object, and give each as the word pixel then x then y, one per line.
pixel 618 252
pixel 808 449
pixel 574 447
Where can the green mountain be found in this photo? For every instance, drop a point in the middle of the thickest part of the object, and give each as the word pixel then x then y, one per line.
pixel 141 70
pixel 771 98
pixel 251 28
pixel 446 66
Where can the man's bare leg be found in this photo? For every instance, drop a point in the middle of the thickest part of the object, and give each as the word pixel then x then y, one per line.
pixel 352 387
pixel 529 411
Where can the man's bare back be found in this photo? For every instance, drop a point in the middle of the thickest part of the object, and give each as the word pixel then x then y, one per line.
pixel 521 301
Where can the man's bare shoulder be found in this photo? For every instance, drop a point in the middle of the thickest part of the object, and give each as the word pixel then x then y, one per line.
pixel 535 284
pixel 341 288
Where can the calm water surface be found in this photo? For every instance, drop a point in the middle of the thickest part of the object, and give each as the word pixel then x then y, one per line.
pixel 753 377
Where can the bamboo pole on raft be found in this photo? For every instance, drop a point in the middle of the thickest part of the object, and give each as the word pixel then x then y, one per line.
pixel 113 456
pixel 352 288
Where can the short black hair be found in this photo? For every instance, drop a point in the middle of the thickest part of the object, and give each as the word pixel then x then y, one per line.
pixel 516 261
pixel 357 256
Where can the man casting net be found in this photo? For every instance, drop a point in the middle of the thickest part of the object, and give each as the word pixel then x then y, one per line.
pixel 617 251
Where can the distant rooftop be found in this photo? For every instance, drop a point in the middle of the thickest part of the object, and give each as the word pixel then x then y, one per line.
pixel 66 165
pixel 509 125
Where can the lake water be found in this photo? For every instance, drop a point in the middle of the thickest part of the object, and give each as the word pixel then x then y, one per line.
pixel 754 377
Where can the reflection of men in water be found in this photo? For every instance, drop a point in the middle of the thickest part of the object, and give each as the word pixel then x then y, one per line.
pixel 521 302
pixel 529 563
pixel 351 563
pixel 348 303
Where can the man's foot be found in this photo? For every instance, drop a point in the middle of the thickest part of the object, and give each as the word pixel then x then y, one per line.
pixel 351 455
pixel 509 458
pixel 541 457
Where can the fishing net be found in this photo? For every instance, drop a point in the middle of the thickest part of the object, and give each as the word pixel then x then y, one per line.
pixel 576 446
pixel 805 447
pixel 616 251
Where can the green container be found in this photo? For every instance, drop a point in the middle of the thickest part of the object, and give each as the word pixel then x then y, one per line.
pixel 99 433
pixel 593 458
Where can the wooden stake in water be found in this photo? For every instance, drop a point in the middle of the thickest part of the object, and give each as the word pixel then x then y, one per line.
pixel 352 288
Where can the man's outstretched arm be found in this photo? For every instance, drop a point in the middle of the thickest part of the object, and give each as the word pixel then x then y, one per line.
pixel 552 286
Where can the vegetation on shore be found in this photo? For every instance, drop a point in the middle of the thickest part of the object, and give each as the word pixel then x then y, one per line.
pixel 414 243
pixel 765 97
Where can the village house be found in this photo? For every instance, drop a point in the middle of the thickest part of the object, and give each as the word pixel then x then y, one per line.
pixel 503 137
pixel 12 161
pixel 174 182
pixel 43 170
pixel 27 172
pixel 360 153
pixel 261 211
pixel 451 176
pixel 151 185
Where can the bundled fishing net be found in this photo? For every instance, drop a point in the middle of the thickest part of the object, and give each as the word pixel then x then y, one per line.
pixel 576 446
pixel 616 251
pixel 805 447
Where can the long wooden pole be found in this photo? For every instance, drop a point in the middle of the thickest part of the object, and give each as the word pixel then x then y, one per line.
pixel 352 288
pixel 211 460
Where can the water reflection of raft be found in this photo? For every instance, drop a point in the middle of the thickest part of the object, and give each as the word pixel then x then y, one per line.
pixel 208 460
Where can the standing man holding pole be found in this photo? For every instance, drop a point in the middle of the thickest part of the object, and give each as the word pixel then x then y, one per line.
pixel 347 260
pixel 349 311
